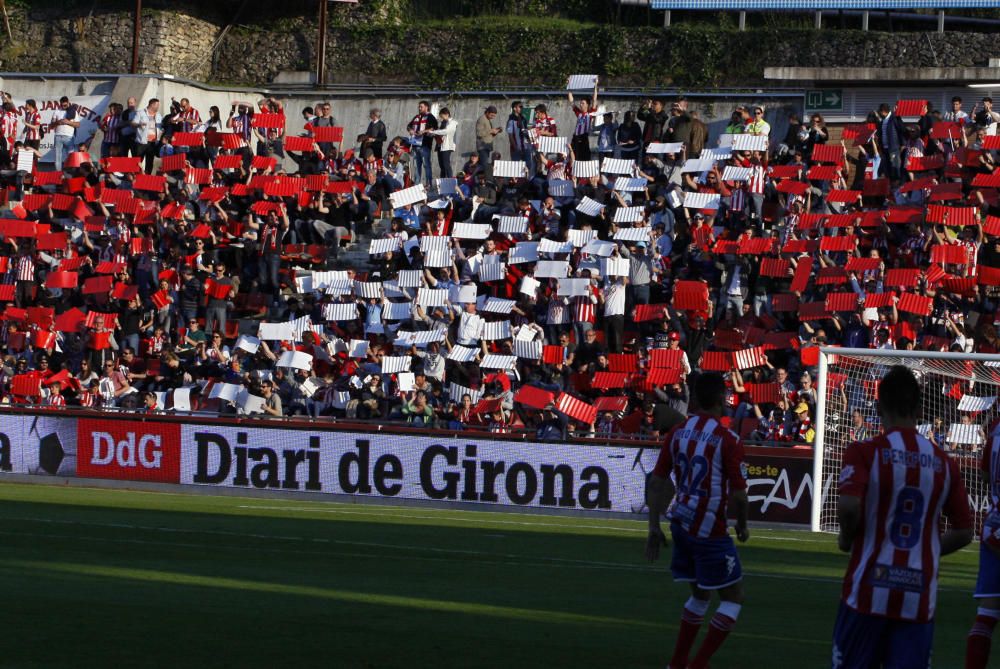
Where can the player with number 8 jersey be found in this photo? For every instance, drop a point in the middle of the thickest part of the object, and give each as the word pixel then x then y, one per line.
pixel 893 491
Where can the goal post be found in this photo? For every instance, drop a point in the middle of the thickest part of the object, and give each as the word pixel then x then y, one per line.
pixel 959 393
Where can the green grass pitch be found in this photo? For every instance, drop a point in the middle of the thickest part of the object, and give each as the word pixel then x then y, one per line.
pixel 101 578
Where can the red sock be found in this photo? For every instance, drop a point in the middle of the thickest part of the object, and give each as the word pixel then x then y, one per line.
pixel 977 644
pixel 718 629
pixel 691 619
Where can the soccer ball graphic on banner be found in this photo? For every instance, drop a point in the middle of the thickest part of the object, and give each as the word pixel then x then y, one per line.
pixel 50 446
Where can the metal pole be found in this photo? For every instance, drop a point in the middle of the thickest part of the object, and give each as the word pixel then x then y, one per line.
pixel 666 19
pixel 941 21
pixel 819 20
pixel 819 445
pixel 321 45
pixel 136 29
pixel 864 21
pixel 743 21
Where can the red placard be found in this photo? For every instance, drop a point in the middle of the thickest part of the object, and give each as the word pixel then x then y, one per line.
pixel 813 311
pixel 827 153
pixel 328 134
pixel 174 163
pixel 946 191
pixel 108 267
pixel 691 295
pixel 946 130
pixel 576 408
pixel 198 175
pixel 7 292
pixel 268 120
pixel 875 188
pixel 988 276
pixel 47 178
pixel 800 281
pixel 609 380
pixel 904 215
pixel 716 361
pixel 295 143
pixel 553 355
pixel 756 245
pixel 844 196
pixel 52 241
pixel 775 267
pixel 831 276
pixel 26 385
pixel 128 451
pixel 61 280
pixel 124 292
pixel 100 341
pixel 230 140
pixel 650 312
pixel 901 278
pixel 616 404
pixel 228 162
pixel 98 285
pixel 911 108
pixel 862 264
pixel 160 299
pixel 43 339
pixel 949 254
pixel 823 173
pixel 879 300
pixel 843 301
pixel 839 243
pixel 264 163
pixel 785 171
pixel 763 393
pixel 124 165
pixel 150 182
pixel 925 163
pixel 666 358
pixel 915 304
pixel 534 397
pixel 626 363
pixel 749 358
pixel 219 291
pixel 792 187
pixel 188 139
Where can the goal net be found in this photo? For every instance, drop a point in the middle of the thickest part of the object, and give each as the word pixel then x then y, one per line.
pixel 959 404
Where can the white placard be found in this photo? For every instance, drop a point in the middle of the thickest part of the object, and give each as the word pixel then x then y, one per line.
pixel 340 311
pixel 227 392
pixel 447 186
pixel 581 82
pixel 528 349
pixel 410 195
pixel 960 433
pixel 581 237
pixel 733 173
pixel 295 360
pixel 397 311
pixel 529 286
pixel 498 305
pixel 441 203
pixel 467 294
pixel 512 225
pixel 523 252
pixel 561 188
pixel 492 269
pixel 510 169
pixel 250 404
pixel 456 392
pixel 182 399
pixel 702 200
pixel 553 144
pixel 25 161
pixel 432 297
pixel 370 290
pixel 552 246
pixel 586 168
pixel 358 348
pixel 462 353
pixel 471 230
pixel 437 258
pixel 632 234
pixel 418 338
pixel 405 381
pixel 746 142
pixel 495 330
pixel 630 184
pixel 629 214
pixel 551 269
pixel 661 148
pixel 493 361
pixel 275 331
pixel 624 166
pixel 410 278
pixel 726 140
pixel 573 287
pixel 391 364
pixel 248 343
pixel 380 246
pixel 615 266
pixel 599 247
pixel 590 207
pixel 973 403
pixel 434 243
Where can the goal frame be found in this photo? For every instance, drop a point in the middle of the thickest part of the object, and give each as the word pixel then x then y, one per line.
pixel 818 443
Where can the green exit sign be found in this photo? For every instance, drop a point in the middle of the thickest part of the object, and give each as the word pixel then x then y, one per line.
pixel 827 100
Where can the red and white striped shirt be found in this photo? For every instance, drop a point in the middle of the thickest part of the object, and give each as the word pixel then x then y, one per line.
pixel 189 119
pixel 707 462
pixel 25 268
pixel 585 308
pixel 10 121
pixel 111 125
pixel 34 118
pixel 904 483
pixel 991 464
pixel 758 175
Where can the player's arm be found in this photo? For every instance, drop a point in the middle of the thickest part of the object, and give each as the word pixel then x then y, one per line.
pixel 959 514
pixel 849 517
pixel 659 492
pixel 853 485
pixel 739 504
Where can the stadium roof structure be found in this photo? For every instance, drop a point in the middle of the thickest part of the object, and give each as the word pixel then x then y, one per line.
pixel 818 5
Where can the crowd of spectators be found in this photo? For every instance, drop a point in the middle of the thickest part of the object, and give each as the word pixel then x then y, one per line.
pixel 556 281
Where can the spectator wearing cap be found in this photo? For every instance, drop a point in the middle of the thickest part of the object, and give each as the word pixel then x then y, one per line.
pixel 485 136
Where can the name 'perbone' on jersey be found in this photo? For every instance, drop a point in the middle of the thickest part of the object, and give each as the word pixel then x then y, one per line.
pixel 706 459
pixel 904 483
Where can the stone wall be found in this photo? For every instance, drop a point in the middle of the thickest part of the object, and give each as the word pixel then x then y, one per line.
pixel 367 46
